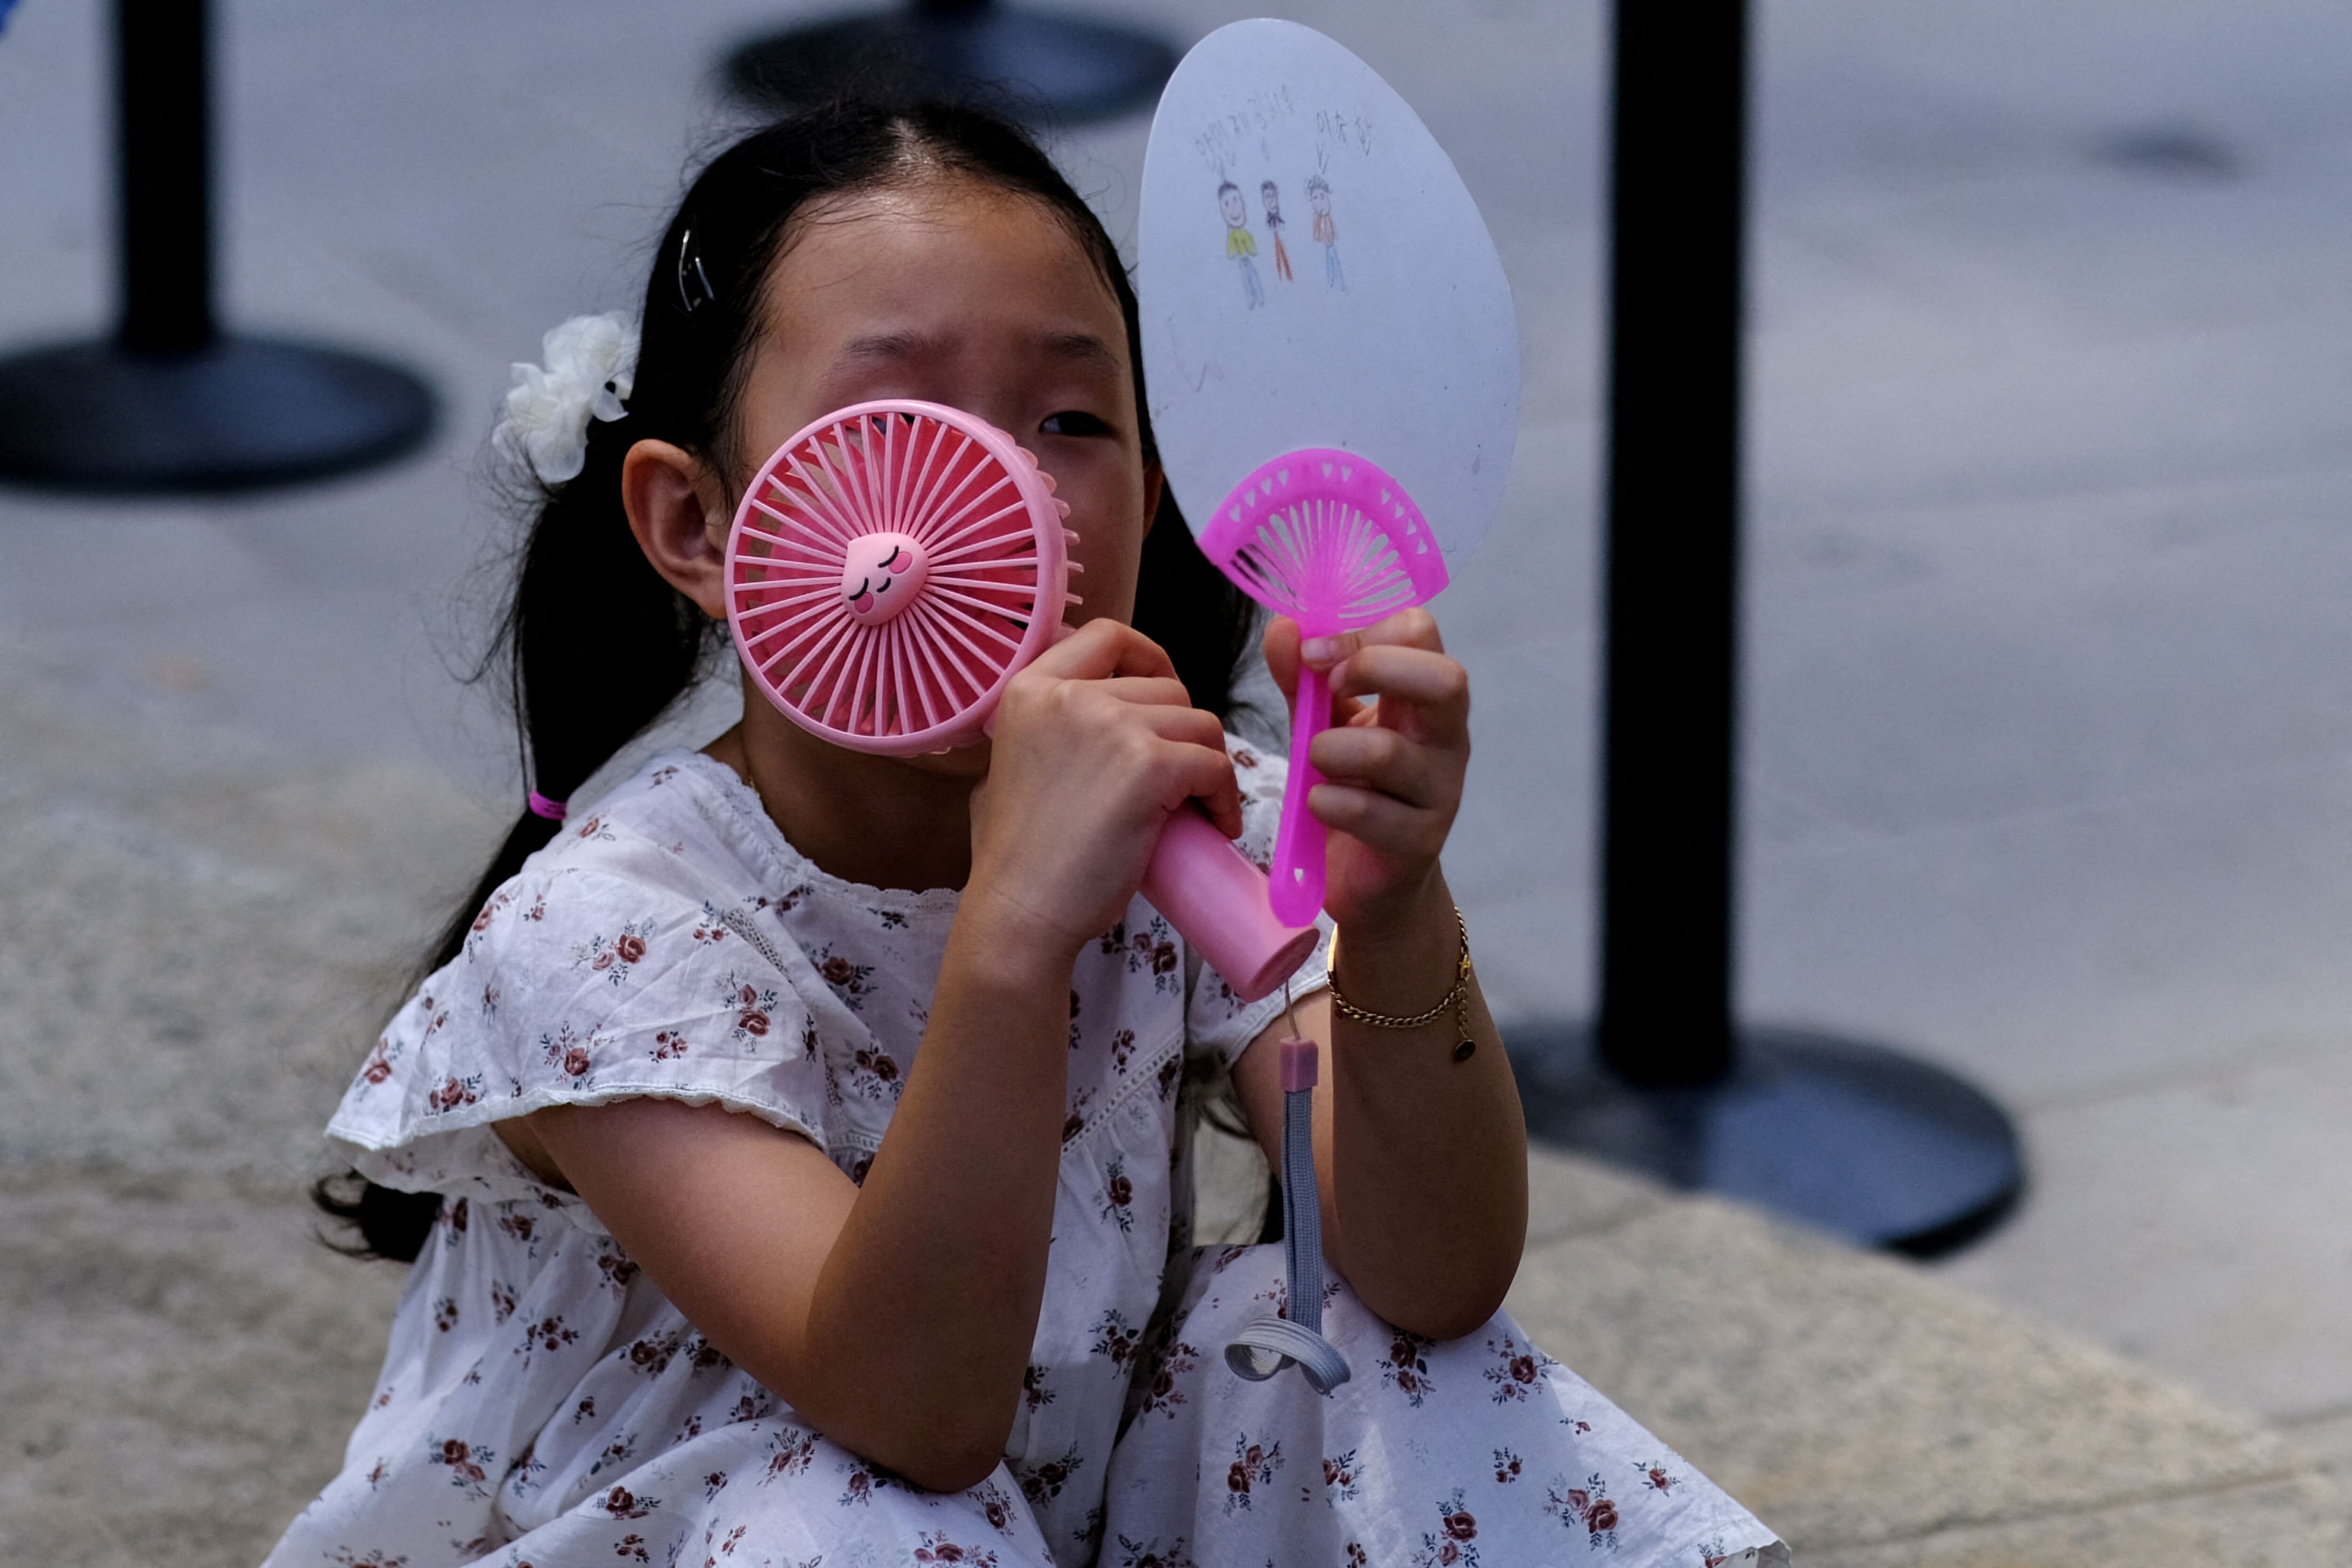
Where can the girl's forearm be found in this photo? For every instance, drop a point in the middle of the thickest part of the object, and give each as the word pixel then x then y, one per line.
pixel 1428 1153
pixel 920 1327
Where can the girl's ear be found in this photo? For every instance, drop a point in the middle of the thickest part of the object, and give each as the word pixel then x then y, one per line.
pixel 679 513
pixel 1155 485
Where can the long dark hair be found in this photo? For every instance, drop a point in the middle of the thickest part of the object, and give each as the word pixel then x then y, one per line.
pixel 584 596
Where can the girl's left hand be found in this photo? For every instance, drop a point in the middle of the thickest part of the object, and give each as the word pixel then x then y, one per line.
pixel 1393 765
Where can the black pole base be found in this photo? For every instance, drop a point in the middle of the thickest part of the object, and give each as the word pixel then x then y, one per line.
pixel 240 414
pixel 1845 1137
pixel 1073 69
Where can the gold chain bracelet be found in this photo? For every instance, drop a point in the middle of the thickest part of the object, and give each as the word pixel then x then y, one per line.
pixel 1456 1001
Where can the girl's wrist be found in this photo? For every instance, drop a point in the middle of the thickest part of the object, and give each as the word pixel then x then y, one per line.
pixel 1398 961
pixel 1005 939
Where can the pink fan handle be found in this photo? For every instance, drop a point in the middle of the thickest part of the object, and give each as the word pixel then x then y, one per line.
pixel 1295 886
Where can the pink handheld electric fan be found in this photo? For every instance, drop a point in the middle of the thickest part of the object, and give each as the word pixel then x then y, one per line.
pixel 890 570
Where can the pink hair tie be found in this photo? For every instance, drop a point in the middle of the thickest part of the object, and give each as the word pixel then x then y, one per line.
pixel 553 810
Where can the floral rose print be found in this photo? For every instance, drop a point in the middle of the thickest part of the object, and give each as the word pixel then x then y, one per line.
pixel 1655 1476
pixel 865 1480
pixel 1340 1477
pixel 876 1073
pixel 995 1506
pixel 1170 1072
pixel 617 1271
pixel 1454 1540
pixel 936 1547
pixel 380 1061
pixel 1162 1395
pixel 848 979
pixel 1118 1193
pixel 445 1313
pixel 1122 1047
pixel 651 1356
pixel 1586 1507
pixel 613 956
pixel 624 1503
pixel 1254 1465
pixel 1041 1483
pixel 789 1453
pixel 547 1334
pixel 468 1463
pixel 1506 1467
pixel 668 1045
pixel 454 1093
pixel 568 1053
pixel 1035 1391
pixel 1518 1369
pixel 754 1007
pixel 1406 1366
pixel 617 1452
pixel 1115 1339
pixel 594 827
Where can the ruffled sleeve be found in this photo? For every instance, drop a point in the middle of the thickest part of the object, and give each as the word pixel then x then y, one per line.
pixel 1217 1023
pixel 603 971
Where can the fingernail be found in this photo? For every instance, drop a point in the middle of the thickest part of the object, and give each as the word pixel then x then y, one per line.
pixel 1317 649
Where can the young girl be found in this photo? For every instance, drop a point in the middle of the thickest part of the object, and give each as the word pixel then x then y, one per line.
pixel 791 1145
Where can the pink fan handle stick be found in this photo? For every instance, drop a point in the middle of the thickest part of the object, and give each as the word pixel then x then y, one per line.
pixel 1327 538
pixel 1295 885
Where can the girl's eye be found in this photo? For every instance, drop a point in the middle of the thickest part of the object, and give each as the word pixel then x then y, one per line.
pixel 1072 421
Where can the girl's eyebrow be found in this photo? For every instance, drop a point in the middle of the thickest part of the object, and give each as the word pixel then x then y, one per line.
pixel 895 347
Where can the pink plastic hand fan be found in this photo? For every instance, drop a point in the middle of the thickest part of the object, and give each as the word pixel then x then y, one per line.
pixel 890 570
pixel 1324 537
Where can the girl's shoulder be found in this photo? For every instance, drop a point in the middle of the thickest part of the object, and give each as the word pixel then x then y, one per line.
pixel 637 954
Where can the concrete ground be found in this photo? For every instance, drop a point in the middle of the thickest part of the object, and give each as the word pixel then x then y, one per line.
pixel 2048 706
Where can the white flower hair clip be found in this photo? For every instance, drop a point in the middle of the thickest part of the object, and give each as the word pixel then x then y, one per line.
pixel 591 364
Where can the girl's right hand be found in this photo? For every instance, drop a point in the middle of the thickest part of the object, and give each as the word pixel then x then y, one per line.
pixel 1096 742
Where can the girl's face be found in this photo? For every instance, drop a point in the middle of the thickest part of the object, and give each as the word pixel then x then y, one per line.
pixel 956 293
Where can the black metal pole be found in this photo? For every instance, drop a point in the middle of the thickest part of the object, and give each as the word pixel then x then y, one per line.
pixel 1844 1134
pixel 170 403
pixel 163 232
pixel 1678 199
pixel 1041 65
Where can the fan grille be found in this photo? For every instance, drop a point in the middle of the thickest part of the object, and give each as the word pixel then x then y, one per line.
pixel 1326 537
pixel 974 544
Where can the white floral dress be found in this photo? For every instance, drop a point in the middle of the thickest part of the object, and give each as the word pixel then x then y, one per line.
pixel 543 1404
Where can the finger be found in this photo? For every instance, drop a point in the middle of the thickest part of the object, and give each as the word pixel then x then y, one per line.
pixel 1385 824
pixel 1281 646
pixel 1192 770
pixel 1414 628
pixel 1378 758
pixel 1102 648
pixel 1147 690
pixel 1436 688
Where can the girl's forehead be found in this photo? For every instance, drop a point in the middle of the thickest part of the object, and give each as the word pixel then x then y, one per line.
pixel 905 245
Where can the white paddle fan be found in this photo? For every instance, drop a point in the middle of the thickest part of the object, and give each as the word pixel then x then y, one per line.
pixel 1334 374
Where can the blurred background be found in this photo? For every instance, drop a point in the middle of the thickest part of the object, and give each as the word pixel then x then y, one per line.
pixel 2046 746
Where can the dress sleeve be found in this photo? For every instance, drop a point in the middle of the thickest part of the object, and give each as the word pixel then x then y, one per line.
pixel 579 986
pixel 1219 1025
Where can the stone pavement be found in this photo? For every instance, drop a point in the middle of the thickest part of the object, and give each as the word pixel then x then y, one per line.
pixel 2049 699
